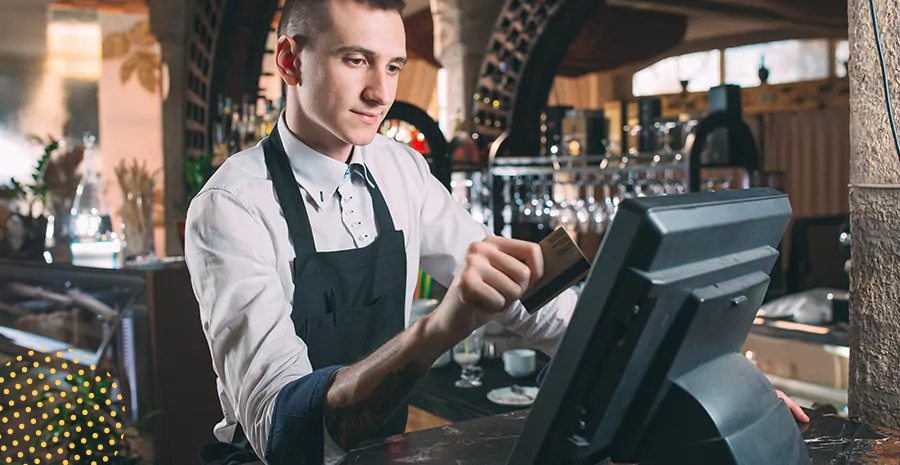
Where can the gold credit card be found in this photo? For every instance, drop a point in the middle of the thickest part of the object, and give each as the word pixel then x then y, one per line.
pixel 564 265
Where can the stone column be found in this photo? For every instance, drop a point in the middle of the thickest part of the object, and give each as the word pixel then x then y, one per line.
pixel 169 22
pixel 461 32
pixel 875 217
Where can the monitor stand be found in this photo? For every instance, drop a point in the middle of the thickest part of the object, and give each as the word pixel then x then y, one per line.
pixel 723 412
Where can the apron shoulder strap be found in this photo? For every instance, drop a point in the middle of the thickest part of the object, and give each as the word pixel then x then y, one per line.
pixel 289 196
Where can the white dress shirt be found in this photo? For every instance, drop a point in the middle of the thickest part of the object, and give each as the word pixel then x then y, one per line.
pixel 239 254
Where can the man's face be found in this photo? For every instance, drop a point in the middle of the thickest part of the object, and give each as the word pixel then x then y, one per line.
pixel 349 75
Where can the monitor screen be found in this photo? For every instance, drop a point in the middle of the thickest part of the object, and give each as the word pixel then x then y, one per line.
pixel 649 369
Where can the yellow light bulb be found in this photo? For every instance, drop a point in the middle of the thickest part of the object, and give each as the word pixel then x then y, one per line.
pixel 112 414
pixel 77 457
pixel 77 429
pixel 66 434
pixel 93 367
pixel 102 390
pixel 16 414
pixel 105 430
pixel 47 359
pixel 80 372
pixel 90 424
pixel 40 376
pixel 76 360
pixel 84 440
pixel 53 371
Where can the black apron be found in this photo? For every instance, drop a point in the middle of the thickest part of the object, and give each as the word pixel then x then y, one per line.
pixel 346 303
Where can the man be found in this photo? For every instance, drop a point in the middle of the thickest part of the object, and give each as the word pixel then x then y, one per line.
pixel 304 251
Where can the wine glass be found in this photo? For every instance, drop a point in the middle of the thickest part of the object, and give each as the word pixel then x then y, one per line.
pixel 467 353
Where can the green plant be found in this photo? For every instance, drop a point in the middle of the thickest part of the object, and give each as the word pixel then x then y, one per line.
pixel 36 191
pixel 66 417
pixel 197 170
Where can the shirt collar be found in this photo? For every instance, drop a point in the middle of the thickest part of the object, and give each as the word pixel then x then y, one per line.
pixel 320 175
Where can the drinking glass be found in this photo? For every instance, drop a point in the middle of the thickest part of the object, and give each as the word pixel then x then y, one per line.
pixel 467 353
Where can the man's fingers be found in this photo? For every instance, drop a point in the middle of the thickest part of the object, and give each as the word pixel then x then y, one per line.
pixel 527 252
pixel 796 410
pixel 474 291
pixel 516 270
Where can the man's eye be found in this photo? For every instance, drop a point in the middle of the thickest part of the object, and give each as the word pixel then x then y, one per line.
pixel 394 69
pixel 354 61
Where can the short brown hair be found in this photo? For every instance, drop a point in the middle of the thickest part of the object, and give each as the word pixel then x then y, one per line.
pixel 305 19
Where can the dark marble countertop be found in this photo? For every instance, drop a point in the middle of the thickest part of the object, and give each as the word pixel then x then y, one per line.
pixel 488 441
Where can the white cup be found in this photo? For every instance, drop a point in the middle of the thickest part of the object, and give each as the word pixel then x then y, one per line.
pixel 519 363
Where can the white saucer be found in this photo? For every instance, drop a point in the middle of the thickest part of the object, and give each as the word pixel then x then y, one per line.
pixel 505 396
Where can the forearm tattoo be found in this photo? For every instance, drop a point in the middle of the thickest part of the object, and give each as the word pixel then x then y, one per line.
pixel 351 424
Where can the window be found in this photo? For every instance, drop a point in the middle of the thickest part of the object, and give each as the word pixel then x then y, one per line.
pixel 841 57
pixel 700 70
pixel 787 61
pixel 73 45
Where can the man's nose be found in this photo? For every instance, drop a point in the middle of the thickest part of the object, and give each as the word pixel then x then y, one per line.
pixel 377 89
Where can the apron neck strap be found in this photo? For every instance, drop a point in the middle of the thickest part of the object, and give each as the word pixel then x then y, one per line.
pixel 291 199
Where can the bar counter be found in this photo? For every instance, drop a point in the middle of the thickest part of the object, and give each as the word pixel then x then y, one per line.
pixel 488 441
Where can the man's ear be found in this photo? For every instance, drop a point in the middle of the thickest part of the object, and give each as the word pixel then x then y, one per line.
pixel 287 60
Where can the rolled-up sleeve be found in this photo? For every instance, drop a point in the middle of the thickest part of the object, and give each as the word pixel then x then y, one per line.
pixel 447 230
pixel 262 365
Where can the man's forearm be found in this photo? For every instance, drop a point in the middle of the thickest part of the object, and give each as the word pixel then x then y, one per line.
pixel 363 396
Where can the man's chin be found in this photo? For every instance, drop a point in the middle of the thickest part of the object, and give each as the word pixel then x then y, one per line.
pixel 360 138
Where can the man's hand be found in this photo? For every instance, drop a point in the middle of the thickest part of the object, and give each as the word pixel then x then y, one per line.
pixel 497 272
pixel 798 412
